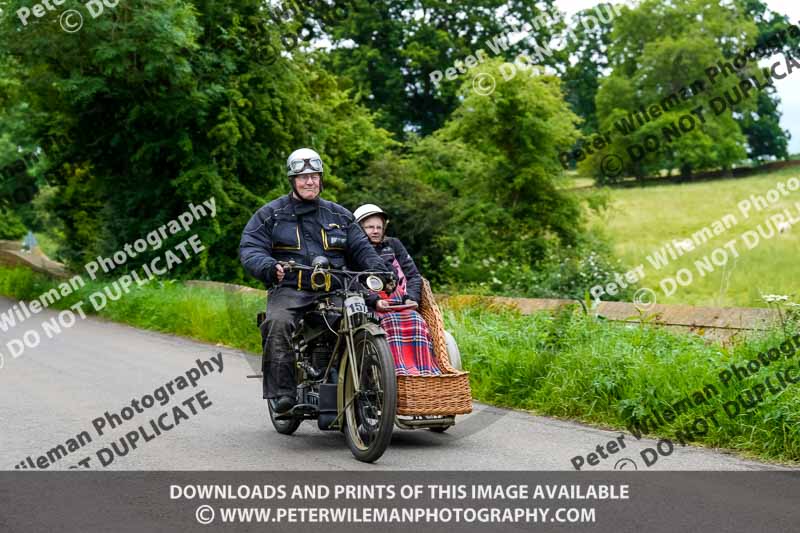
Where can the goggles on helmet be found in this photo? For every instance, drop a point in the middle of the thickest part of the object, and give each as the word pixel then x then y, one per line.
pixel 299 165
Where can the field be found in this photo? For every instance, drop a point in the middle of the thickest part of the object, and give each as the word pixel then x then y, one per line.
pixel 643 220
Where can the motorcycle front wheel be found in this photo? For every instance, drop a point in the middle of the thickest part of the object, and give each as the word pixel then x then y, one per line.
pixel 369 417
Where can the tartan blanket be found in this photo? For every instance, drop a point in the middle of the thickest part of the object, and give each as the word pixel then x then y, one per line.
pixel 410 343
pixel 407 334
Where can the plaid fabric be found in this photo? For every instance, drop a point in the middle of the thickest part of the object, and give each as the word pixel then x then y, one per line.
pixel 410 343
pixel 408 335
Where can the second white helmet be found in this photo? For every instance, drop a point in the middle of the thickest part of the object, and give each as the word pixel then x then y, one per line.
pixel 367 210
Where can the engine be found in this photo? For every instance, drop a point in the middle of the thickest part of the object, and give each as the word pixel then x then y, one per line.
pixel 321 355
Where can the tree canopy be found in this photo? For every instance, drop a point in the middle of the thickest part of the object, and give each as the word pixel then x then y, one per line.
pixel 387 50
pixel 109 131
pixel 663 55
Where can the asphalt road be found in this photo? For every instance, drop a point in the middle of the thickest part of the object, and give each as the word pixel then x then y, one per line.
pixel 52 393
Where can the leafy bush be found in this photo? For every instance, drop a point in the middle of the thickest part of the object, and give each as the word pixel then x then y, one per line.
pixel 11 227
pixel 566 272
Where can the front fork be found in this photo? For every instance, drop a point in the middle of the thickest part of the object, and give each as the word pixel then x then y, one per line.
pixel 348 364
pixel 351 351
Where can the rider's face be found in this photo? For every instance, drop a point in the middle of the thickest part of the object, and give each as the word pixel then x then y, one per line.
pixel 307 185
pixel 373 227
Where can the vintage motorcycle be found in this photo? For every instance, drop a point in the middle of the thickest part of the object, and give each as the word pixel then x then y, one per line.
pixel 345 369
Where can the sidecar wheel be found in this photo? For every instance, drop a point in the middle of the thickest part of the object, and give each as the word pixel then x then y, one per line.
pixel 453 353
pixel 369 418
pixel 284 427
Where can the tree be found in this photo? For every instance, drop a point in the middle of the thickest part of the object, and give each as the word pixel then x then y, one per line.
pixel 420 214
pixel 166 103
pixel 389 49
pixel 496 158
pixel 657 54
pixel 765 137
pixel 18 155
pixel 588 60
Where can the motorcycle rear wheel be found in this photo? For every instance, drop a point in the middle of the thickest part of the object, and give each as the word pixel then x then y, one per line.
pixel 284 427
pixel 369 418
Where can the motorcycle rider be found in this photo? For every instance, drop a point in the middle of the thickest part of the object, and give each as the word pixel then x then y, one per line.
pixel 299 226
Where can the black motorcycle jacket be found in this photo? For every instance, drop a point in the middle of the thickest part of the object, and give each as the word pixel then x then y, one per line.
pixel 288 229
pixel 391 249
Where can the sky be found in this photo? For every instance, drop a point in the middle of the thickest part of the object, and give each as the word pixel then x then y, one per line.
pixel 788 88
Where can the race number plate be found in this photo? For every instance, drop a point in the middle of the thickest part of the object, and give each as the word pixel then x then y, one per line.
pixel 355 305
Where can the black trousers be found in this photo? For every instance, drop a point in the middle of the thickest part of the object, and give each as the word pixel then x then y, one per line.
pixel 285 307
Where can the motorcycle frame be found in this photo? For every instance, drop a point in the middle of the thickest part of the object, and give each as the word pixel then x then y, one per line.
pixel 347 362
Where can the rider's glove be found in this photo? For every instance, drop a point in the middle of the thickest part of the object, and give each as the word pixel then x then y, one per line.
pixel 272 275
pixel 389 283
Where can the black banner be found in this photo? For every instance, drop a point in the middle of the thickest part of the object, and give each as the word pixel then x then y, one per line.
pixel 395 501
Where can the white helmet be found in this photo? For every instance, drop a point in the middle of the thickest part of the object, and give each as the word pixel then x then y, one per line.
pixel 367 210
pixel 303 161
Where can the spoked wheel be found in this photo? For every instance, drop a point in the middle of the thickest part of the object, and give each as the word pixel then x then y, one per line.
pixel 282 426
pixel 369 417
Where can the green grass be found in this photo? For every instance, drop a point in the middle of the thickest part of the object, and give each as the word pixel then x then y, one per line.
pixel 566 365
pixel 576 367
pixel 582 182
pixel 48 244
pixel 574 180
pixel 215 316
pixel 642 220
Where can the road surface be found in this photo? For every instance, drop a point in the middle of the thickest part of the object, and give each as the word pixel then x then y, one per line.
pixel 51 396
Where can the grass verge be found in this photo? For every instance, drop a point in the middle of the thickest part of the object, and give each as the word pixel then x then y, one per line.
pixel 566 365
pixel 643 220
pixel 572 366
pixel 210 315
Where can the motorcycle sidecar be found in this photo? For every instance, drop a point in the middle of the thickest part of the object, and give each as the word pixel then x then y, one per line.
pixel 433 402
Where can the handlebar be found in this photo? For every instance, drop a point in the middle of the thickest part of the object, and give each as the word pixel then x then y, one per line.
pixel 291 265
pixel 333 272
